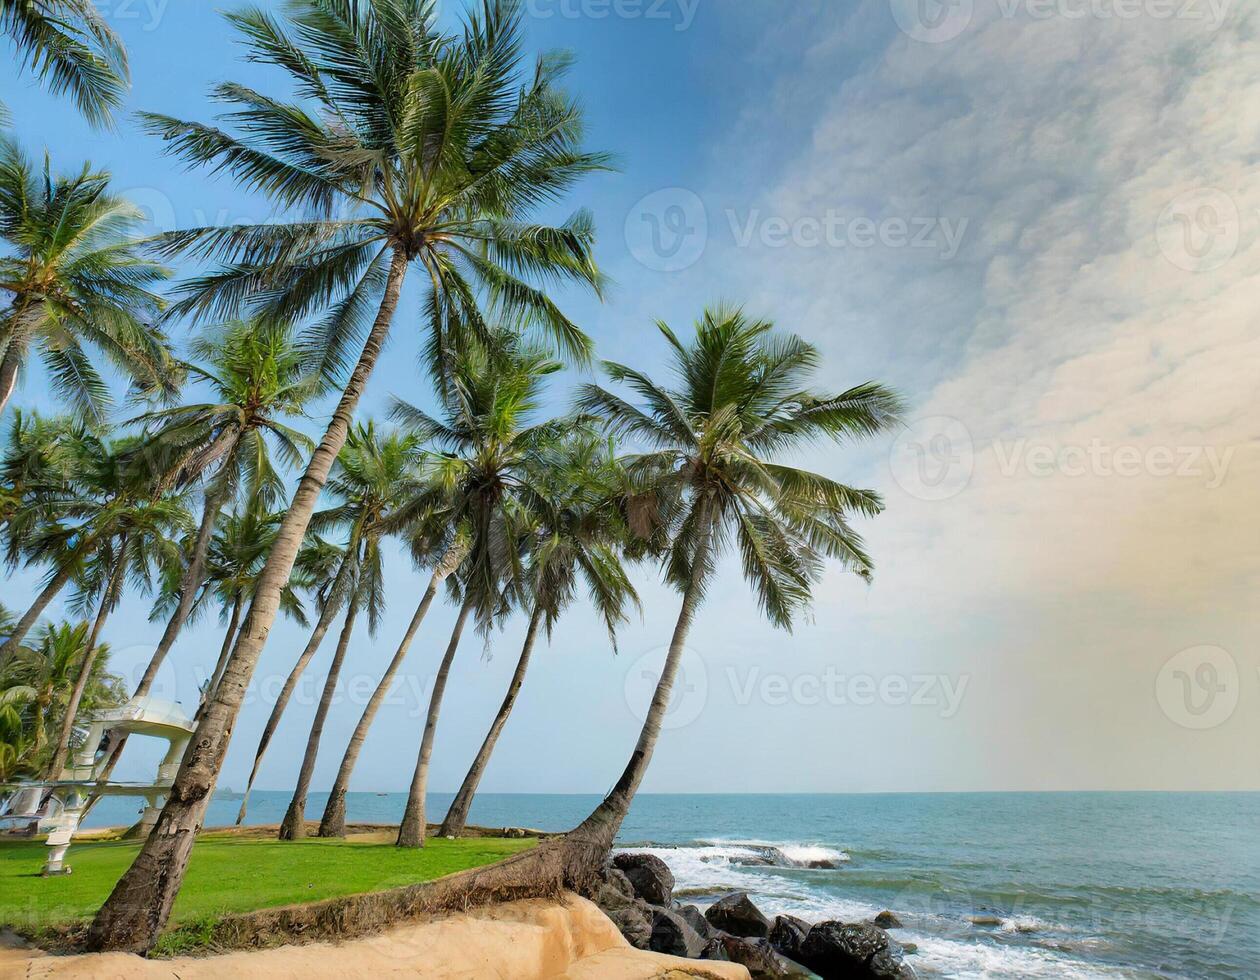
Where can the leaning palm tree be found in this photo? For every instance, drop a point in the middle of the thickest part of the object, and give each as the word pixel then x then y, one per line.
pixel 75 278
pixel 69 46
pixel 574 536
pixel 489 441
pixel 375 473
pixel 406 146
pixel 255 375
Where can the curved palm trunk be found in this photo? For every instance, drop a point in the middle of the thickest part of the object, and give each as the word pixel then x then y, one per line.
pixel 58 760
pixel 8 380
pixel 188 585
pixel 226 649
pixel 50 591
pixel 457 815
pixel 294 825
pixel 138 908
pixel 324 624
pixel 333 823
pixel 411 831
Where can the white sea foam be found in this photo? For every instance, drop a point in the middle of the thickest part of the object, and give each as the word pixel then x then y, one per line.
pixel 938 957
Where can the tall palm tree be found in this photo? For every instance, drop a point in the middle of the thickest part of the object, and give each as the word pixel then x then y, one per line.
pixel 255 374
pixel 375 473
pixel 68 45
pixel 75 277
pixel 407 145
pixel 489 441
pixel 574 537
pixel 710 447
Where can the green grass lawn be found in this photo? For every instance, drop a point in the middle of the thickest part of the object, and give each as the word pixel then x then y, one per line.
pixel 231 874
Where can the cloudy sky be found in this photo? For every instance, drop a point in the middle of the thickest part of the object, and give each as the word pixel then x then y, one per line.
pixel 1038 219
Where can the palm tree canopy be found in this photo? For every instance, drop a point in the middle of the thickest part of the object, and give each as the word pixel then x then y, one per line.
pixel 68 45
pixel 255 376
pixel 401 139
pixel 76 278
pixel 740 398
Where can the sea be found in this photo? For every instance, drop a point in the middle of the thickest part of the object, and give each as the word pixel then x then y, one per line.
pixel 987 885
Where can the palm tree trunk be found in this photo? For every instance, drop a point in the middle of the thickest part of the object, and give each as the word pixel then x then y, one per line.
pixel 24 625
pixel 411 831
pixel 457 815
pixel 333 823
pixel 293 826
pixel 326 617
pixel 226 650
pixel 190 583
pixel 108 595
pixel 8 379
pixel 138 908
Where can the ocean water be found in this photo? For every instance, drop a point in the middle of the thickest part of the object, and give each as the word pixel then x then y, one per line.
pixel 1064 885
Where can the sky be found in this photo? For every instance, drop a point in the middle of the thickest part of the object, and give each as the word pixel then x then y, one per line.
pixel 1039 220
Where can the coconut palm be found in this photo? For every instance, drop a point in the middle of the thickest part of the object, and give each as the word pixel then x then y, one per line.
pixel 75 278
pixel 574 537
pixel 70 47
pixel 489 443
pixel 255 375
pixel 375 473
pixel 406 145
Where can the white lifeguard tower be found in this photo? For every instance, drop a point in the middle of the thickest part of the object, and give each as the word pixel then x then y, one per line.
pixel 57 807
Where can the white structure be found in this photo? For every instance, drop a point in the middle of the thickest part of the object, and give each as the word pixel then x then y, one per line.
pixel 57 807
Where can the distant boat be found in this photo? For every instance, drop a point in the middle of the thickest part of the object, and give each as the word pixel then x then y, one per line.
pixel 227 793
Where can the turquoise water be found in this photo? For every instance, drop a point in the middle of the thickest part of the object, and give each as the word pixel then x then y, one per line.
pixel 1061 884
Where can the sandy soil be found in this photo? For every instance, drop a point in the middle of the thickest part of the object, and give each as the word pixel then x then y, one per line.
pixel 533 940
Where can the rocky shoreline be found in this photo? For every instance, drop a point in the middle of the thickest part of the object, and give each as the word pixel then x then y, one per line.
pixel 637 894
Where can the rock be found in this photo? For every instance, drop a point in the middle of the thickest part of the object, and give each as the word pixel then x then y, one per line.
pixel 787 934
pixel 735 913
pixel 986 920
pixel 515 833
pixel 756 955
pixel 634 924
pixel 695 918
pixel 836 951
pixel 886 920
pixel 821 864
pixel 652 880
pixel 673 934
pixel 613 891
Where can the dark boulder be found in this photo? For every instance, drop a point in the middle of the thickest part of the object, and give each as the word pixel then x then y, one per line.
pixel 695 918
pixel 756 955
pixel 735 913
pixel 613 891
pixel 821 864
pixel 836 951
pixel 886 920
pixel 633 923
pixel 652 880
pixel 787 934
pixel 673 934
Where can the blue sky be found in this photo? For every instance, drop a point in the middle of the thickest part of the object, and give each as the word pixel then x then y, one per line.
pixel 1040 227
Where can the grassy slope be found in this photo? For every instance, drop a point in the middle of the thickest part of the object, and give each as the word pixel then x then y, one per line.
pixel 228 874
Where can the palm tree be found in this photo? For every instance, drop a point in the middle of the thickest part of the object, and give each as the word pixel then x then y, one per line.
pixel 417 147
pixel 373 472
pixel 75 276
pixel 574 537
pixel 255 373
pixel 489 447
pixel 68 44
pixel 134 534
pixel 741 400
